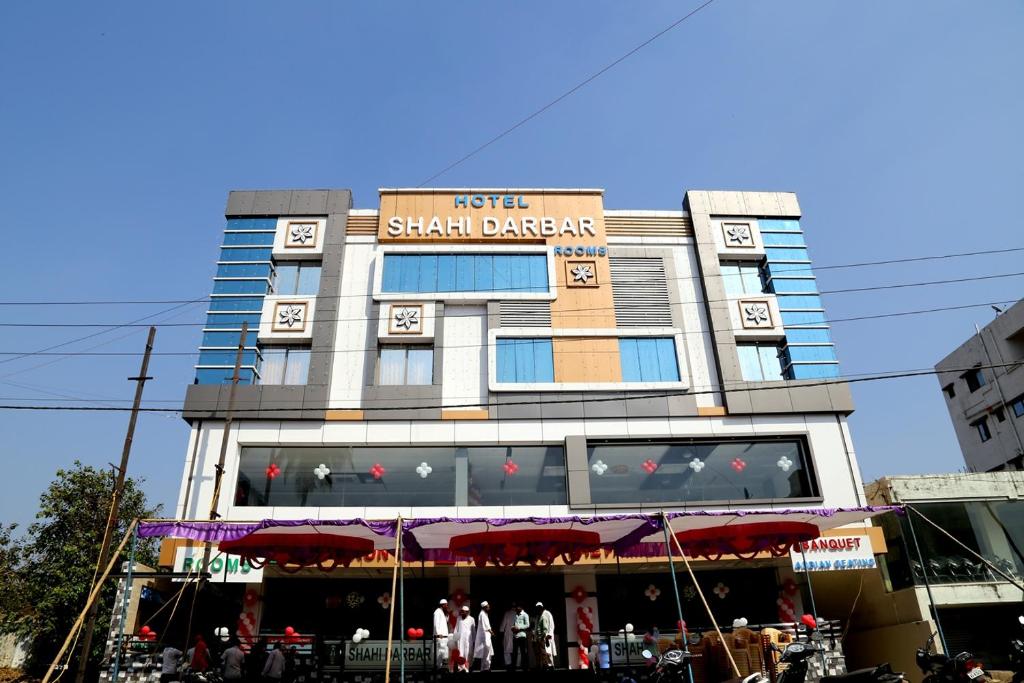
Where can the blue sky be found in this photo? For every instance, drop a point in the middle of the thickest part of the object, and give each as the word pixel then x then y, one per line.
pixel 124 125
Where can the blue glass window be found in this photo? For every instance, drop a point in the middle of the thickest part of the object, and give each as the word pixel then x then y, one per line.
pixel 298 277
pixel 788 303
pixel 782 285
pixel 245 254
pixel 789 269
pixel 805 336
pixel 648 359
pixel 1018 407
pixel 223 375
pixel 244 270
pixel 427 273
pixel 777 224
pixel 803 318
pixel 221 339
pixel 240 287
pixel 248 238
pixel 233 321
pixel 776 239
pixel 759 362
pixel 525 360
pixel 252 224
pixel 226 357
pixel 236 303
pixel 284 365
pixel 741 277
pixel 815 371
pixel 778 254
pixel 811 353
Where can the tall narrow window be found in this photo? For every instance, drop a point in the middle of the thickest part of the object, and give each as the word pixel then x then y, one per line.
pixel 650 359
pixel 983 430
pixel 284 365
pixel 297 277
pixel 405 365
pixel 975 379
pixel 742 277
pixel 760 362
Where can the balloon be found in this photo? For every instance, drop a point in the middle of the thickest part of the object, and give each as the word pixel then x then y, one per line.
pixel 419 633
pixel 411 632
pixel 145 630
pixel 629 628
pixel 808 621
pixel 151 636
pixel 365 633
pixel 289 631
pixel 357 638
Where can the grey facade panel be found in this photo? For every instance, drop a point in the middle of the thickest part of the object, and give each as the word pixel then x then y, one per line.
pixel 240 203
pixel 515 406
pixel 271 203
pixel 308 203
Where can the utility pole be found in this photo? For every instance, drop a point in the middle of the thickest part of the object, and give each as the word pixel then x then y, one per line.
pixel 115 504
pixel 228 418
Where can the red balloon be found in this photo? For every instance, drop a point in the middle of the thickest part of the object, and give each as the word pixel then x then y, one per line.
pixel 411 632
pixel 145 629
pixel 419 633
pixel 289 631
pixel 809 621
pixel 151 636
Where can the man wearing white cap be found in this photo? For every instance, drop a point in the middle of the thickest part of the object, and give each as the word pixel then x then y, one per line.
pixel 484 646
pixel 544 637
pixel 441 633
pixel 462 650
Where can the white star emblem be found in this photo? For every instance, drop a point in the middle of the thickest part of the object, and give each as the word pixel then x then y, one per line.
pixel 290 315
pixel 740 234
pixel 407 318
pixel 756 313
pixel 301 233
pixel 582 273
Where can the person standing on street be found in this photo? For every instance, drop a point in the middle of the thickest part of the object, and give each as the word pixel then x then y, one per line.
pixel 484 649
pixel 462 652
pixel 441 634
pixel 169 664
pixel 544 634
pixel 520 631
pixel 273 668
pixel 233 661
pixel 507 635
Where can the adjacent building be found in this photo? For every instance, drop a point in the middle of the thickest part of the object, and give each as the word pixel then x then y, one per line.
pixel 983 384
pixel 514 353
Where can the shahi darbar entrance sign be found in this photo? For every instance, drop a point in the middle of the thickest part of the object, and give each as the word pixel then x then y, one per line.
pixel 516 221
pixel 833 553
pixel 371 654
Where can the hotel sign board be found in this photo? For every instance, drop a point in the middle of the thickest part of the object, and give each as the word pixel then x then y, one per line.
pixel 223 568
pixel 833 553
pixel 371 654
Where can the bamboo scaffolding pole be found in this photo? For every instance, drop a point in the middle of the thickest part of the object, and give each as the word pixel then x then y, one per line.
pixel 394 581
pixel 686 561
pixel 88 603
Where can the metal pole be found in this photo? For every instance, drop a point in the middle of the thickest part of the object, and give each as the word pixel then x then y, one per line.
pixel 675 589
pixel 228 418
pixel 401 609
pixel 124 605
pixel 927 584
pixel 115 503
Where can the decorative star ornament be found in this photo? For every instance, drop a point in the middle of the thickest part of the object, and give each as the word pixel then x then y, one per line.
pixel 290 316
pixel 756 313
pixel 582 273
pixel 407 318
pixel 740 234
pixel 302 233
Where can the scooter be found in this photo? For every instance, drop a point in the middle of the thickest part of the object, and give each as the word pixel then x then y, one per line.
pixel 672 665
pixel 1017 656
pixel 797 655
pixel 941 668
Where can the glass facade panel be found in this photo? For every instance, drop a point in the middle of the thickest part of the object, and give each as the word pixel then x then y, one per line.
pixel 233 321
pixel 798 318
pixel 648 359
pixel 525 360
pixel 299 277
pixel 781 285
pixel 405 365
pixel 811 353
pixel 243 270
pixel 798 371
pixel 252 224
pixel 774 239
pixel 223 375
pixel 778 224
pixel 798 335
pixel 232 239
pixel 741 277
pixel 790 302
pixel 759 362
pixel 498 475
pixel 297 369
pixel 236 303
pixel 420 363
pixel 240 287
pixel 698 471
pixel 229 339
pixel 426 273
pixel 245 254
pixel 226 358
pixel 782 254
pixel 309 280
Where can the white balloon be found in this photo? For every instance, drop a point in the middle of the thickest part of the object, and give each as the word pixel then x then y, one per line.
pixel 365 633
pixel 357 638
pixel 629 628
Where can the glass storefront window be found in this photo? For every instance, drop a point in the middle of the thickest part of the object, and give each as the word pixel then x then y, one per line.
pixel 499 475
pixel 698 471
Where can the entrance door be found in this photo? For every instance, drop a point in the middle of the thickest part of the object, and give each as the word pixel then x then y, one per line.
pixel 527 589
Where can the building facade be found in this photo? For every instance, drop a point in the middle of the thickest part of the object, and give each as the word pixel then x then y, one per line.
pixel 508 354
pixel 983 384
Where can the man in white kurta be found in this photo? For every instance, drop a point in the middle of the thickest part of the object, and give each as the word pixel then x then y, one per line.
pixel 465 635
pixel 441 633
pixel 507 622
pixel 544 634
pixel 484 648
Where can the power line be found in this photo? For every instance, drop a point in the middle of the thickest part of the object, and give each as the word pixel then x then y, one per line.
pixel 560 400
pixel 566 94
pixel 567 338
pixel 776 271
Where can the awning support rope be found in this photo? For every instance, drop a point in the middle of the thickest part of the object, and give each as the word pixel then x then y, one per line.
pixel 675 589
pixel 391 616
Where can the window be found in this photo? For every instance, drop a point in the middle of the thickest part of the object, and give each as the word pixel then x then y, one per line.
pixel 698 471
pixel 1018 407
pixel 760 362
pixel 1000 415
pixel 950 390
pixel 299 277
pixel 975 380
pixel 650 359
pixel 425 273
pixel 405 365
pixel 284 365
pixel 525 360
pixel 983 430
pixel 742 277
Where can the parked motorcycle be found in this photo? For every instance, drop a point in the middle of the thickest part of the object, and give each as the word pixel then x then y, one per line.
pixel 798 655
pixel 941 668
pixel 672 666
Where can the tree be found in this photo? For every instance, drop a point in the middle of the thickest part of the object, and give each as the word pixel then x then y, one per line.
pixel 51 569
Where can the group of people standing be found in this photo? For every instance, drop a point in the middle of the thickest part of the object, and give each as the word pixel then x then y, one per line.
pixel 469 639
pixel 260 665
